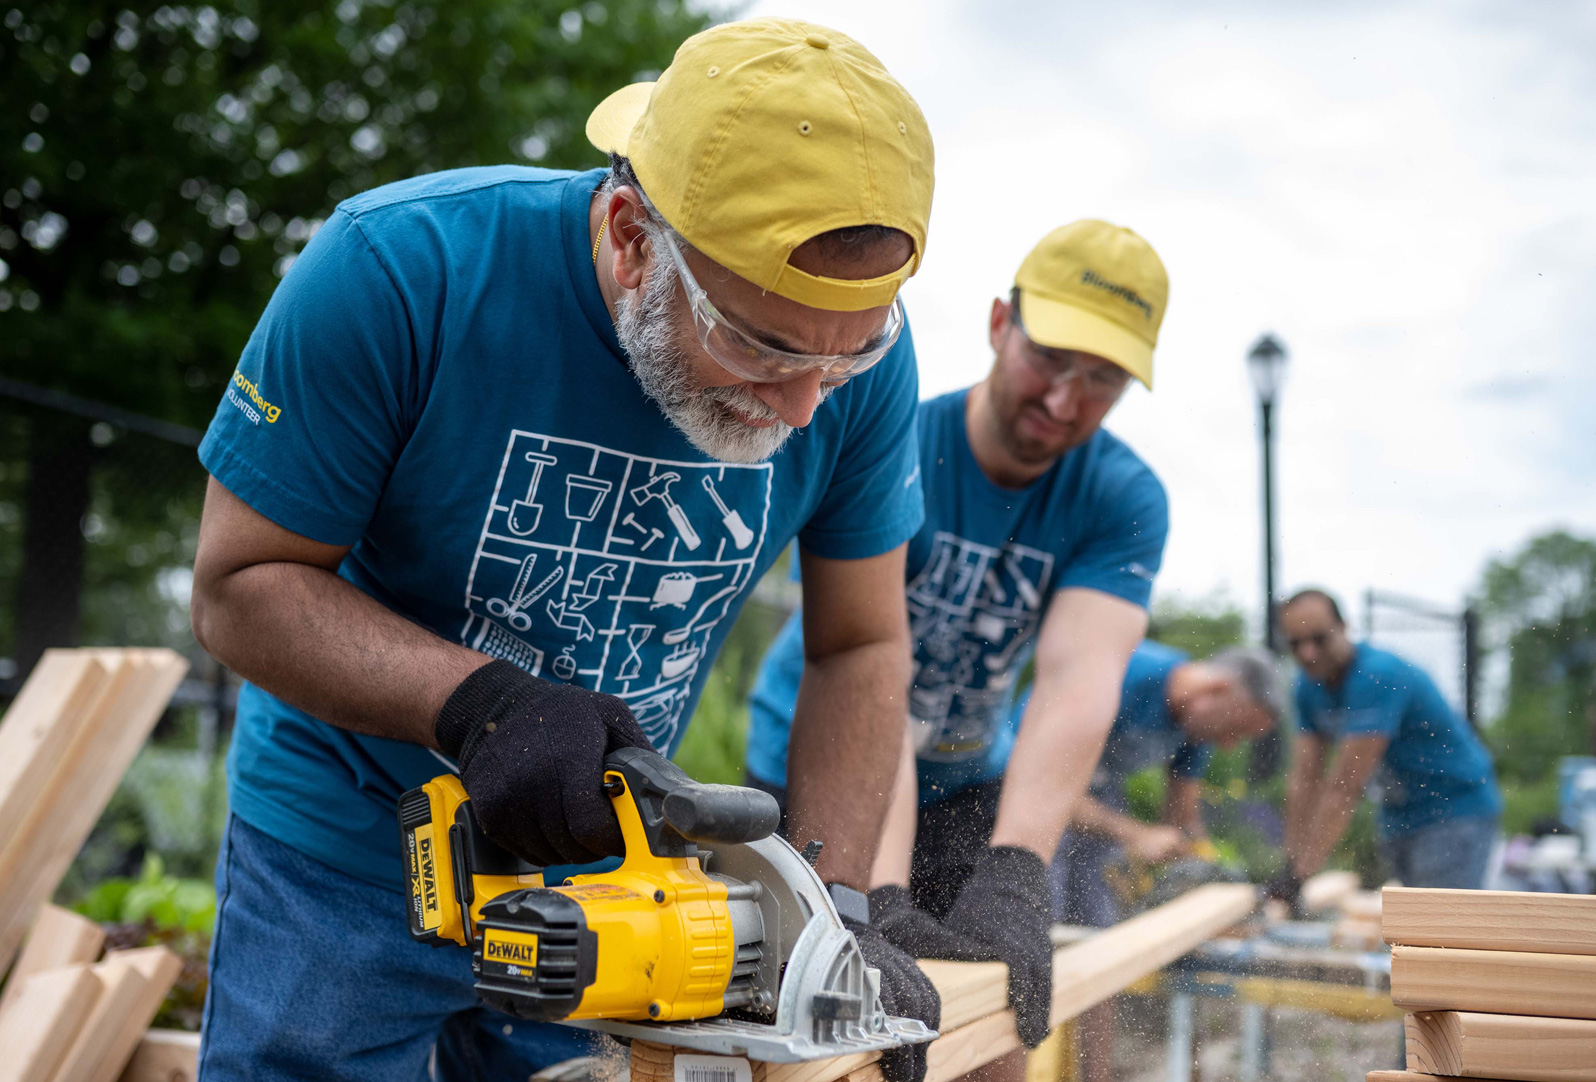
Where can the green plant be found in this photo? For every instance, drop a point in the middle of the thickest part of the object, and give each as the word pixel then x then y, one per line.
pixel 162 902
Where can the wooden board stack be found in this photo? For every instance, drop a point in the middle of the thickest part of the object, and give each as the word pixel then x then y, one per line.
pixel 977 1026
pixel 65 743
pixel 1500 985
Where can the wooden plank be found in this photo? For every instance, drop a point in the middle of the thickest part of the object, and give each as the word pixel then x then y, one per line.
pixel 38 1028
pixel 59 937
pixel 1415 1076
pixel 1088 972
pixel 957 1053
pixel 970 990
pixel 1473 1045
pixel 44 845
pixel 164 1055
pixel 812 1071
pixel 1085 972
pixel 1327 889
pixel 1356 934
pixel 140 979
pixel 121 988
pixel 41 723
pixel 1493 982
pixel 1362 905
pixel 1498 920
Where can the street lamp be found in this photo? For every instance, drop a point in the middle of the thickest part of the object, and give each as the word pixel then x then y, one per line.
pixel 1266 364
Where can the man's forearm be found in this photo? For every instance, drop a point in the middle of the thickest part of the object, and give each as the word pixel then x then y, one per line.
pixel 1299 803
pixel 847 736
pixel 1320 833
pixel 1094 817
pixel 315 641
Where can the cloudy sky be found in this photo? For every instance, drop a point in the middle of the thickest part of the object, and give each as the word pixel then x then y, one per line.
pixel 1404 192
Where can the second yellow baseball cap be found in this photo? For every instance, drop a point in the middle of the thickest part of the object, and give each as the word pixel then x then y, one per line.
pixel 767 132
pixel 1098 288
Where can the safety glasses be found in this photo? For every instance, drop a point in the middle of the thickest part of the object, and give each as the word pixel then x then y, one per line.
pixel 1099 381
pixel 748 358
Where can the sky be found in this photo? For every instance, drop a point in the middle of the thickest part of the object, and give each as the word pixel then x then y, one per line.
pixel 1405 193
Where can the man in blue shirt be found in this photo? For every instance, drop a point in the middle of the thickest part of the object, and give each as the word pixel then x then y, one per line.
pixel 500 463
pixel 1385 721
pixel 1042 536
pixel 1172 712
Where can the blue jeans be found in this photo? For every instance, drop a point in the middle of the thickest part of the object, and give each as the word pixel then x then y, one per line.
pixel 314 976
pixel 1452 853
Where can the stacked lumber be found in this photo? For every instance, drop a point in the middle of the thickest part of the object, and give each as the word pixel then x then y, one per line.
pixel 66 1015
pixel 977 1026
pixel 1499 984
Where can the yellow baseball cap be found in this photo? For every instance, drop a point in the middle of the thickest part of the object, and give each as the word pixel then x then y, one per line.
pixel 767 132
pixel 1098 288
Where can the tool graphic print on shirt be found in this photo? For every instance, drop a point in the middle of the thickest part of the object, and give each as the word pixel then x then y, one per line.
pixel 611 570
pixel 973 611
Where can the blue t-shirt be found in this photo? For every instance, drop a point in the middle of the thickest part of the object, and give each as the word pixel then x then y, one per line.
pixel 981 573
pixel 1145 732
pixel 437 383
pixel 1435 766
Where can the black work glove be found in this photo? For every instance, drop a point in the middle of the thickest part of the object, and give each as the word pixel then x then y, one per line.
pixel 531 757
pixel 918 933
pixel 905 992
pixel 1287 886
pixel 1006 905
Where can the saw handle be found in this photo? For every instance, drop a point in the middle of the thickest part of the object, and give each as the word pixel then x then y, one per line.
pixel 676 810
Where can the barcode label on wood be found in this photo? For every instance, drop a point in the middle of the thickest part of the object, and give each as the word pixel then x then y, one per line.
pixel 713 1069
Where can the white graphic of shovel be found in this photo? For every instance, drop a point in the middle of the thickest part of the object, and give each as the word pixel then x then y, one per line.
pixel 524 514
pixel 741 535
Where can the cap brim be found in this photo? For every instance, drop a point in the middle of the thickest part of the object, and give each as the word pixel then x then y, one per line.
pixel 610 126
pixel 1063 326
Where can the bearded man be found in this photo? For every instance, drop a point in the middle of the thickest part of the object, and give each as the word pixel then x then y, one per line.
pixel 527 452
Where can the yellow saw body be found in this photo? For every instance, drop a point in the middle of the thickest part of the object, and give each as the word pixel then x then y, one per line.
pixel 659 945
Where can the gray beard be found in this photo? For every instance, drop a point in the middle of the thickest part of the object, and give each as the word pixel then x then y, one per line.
pixel 647 327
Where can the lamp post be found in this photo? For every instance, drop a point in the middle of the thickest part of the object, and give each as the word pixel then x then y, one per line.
pixel 1266 364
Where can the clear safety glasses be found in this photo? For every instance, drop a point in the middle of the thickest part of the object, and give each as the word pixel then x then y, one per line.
pixel 758 362
pixel 1099 381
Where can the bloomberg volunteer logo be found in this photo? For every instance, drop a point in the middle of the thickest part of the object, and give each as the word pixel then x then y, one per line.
pixel 245 394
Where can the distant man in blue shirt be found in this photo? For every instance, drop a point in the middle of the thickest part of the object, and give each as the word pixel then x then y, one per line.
pixel 1042 536
pixel 499 465
pixel 1384 720
pixel 1172 712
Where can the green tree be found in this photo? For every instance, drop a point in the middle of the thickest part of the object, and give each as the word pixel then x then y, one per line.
pixel 162 165
pixel 1540 606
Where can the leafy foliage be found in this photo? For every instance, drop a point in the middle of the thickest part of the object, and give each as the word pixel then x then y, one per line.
pixel 1540 606
pixel 166 163
pixel 159 909
pixel 165 902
